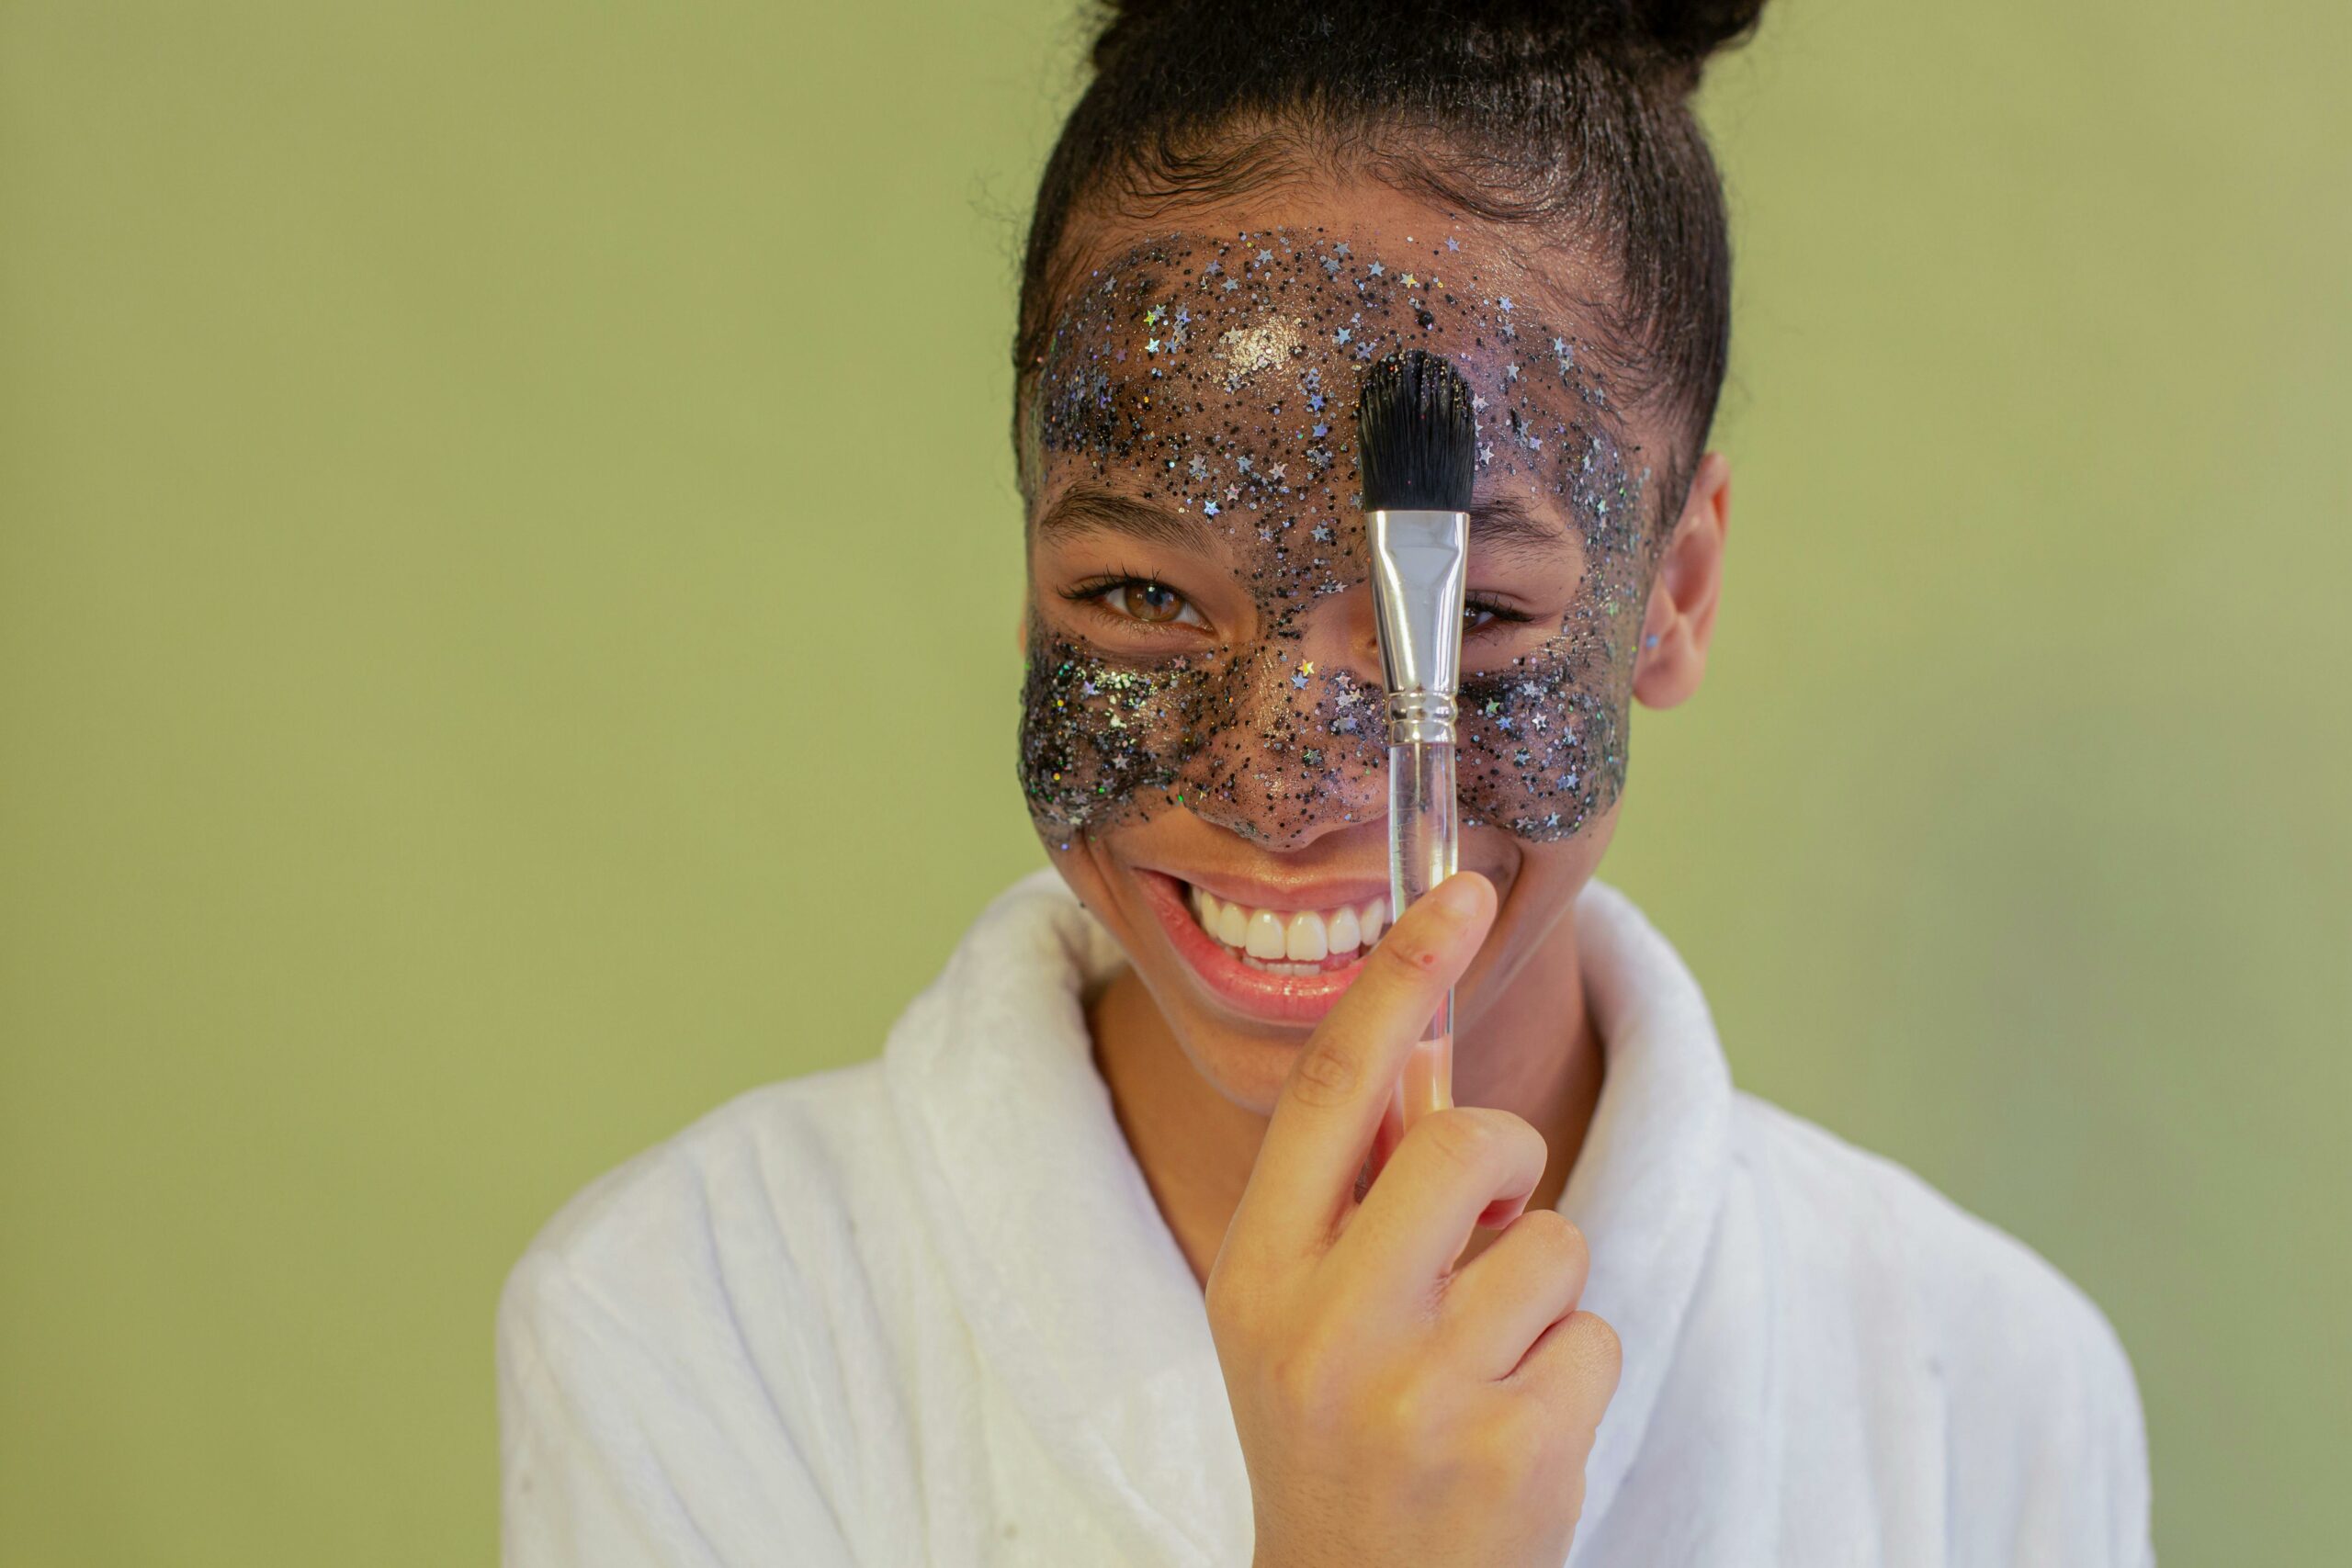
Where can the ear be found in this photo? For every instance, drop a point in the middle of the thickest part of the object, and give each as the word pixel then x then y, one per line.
pixel 1681 619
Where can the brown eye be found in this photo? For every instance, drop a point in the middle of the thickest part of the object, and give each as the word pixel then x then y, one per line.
pixel 1150 603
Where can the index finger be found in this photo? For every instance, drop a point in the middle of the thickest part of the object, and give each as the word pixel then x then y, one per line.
pixel 1331 1105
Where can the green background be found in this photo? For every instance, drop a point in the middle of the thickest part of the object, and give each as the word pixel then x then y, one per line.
pixel 507 589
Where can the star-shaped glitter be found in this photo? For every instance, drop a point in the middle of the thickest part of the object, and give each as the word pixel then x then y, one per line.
pixel 1307 667
pixel 1264 257
pixel 1375 269
pixel 1410 281
pixel 1342 335
pixel 1342 248
pixel 1504 302
pixel 1233 492
pixel 1208 508
pixel 1232 284
pixel 1299 681
pixel 1479 402
pixel 1151 317
pixel 1151 345
pixel 1275 473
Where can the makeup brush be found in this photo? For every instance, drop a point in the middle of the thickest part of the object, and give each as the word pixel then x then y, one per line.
pixel 1417 440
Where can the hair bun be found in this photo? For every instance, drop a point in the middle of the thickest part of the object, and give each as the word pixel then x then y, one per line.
pixel 1677 35
pixel 1689 31
pixel 1667 38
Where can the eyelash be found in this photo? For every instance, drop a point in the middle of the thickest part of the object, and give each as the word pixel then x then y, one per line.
pixel 1092 592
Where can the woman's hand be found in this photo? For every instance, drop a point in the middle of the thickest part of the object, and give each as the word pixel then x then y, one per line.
pixel 1393 1410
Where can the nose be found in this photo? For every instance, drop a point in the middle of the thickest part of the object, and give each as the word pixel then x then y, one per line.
pixel 1300 750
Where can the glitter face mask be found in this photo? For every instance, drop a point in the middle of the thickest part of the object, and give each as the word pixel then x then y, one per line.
pixel 1217 377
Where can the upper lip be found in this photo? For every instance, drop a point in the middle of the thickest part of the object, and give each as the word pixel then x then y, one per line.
pixel 1301 893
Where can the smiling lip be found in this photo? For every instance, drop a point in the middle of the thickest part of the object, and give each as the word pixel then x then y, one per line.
pixel 1273 999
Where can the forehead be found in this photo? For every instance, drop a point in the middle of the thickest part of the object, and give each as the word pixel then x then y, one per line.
pixel 1217 373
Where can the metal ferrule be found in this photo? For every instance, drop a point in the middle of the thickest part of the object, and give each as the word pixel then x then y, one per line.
pixel 1419 577
pixel 1424 716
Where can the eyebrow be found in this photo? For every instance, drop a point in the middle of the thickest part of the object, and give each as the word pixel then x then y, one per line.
pixel 1503 523
pixel 1086 510
pixel 1508 526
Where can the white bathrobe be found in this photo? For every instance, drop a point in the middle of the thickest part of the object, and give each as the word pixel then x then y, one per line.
pixel 923 1309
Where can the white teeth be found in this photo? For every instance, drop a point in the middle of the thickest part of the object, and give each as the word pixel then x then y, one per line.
pixel 1266 938
pixel 1303 940
pixel 1289 941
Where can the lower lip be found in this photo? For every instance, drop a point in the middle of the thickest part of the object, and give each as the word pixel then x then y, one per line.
pixel 1275 998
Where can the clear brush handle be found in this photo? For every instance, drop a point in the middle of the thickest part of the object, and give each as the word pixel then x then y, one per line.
pixel 1423 847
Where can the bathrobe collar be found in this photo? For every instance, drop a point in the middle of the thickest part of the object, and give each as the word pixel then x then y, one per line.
pixel 1076 1293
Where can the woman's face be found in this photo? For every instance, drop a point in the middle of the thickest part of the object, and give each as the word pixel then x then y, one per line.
pixel 1202 741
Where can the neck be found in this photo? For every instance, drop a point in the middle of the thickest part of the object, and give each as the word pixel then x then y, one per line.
pixel 1196 1148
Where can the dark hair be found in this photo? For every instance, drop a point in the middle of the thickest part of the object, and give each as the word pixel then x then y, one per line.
pixel 1519 112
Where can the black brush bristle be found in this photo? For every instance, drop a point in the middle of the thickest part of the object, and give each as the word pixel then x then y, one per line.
pixel 1416 437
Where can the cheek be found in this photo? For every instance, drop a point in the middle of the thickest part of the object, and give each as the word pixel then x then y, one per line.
pixel 1542 753
pixel 1262 744
pixel 1544 738
pixel 1102 743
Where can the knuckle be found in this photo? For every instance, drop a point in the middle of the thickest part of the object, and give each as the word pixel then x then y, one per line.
pixel 1519 1130
pixel 1477 1137
pixel 1327 1073
pixel 1554 1237
pixel 1506 1450
pixel 1461 1135
pixel 1409 1409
